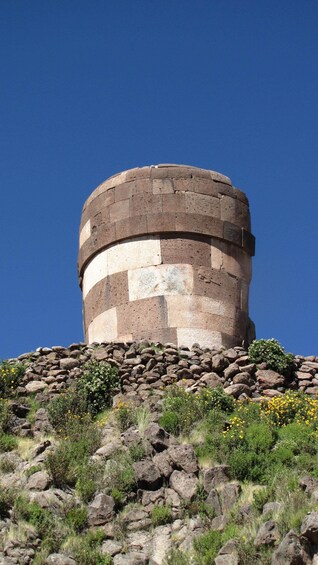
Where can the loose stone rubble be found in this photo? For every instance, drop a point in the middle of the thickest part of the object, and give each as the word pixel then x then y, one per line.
pixel 169 473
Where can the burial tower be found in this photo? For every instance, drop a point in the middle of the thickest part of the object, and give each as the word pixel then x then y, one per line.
pixel 165 254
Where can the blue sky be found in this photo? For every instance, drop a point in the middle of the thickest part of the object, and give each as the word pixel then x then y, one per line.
pixel 90 88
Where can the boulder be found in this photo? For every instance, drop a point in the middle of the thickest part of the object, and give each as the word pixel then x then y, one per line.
pixel 215 476
pixel 35 386
pixel 309 527
pixel 59 559
pixel 157 436
pixel 101 510
pixel 185 484
pixel 267 378
pixel 268 534
pixel 39 481
pixel 147 475
pixel 183 457
pixel 292 551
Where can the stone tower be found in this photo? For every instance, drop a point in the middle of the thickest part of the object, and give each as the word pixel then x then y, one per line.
pixel 165 254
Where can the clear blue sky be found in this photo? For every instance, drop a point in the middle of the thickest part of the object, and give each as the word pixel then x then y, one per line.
pixel 90 88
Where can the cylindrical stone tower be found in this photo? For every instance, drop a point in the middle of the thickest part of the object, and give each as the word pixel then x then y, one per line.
pixel 165 255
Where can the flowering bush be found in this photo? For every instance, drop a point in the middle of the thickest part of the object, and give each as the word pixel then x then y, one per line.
pixel 270 351
pixel 10 377
pixel 291 407
pixel 100 382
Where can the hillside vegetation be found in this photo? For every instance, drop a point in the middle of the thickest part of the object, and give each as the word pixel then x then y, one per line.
pixel 140 453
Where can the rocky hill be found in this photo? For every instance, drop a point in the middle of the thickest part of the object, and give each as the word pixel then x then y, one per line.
pixel 137 453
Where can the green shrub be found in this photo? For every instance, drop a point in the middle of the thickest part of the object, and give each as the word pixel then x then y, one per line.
pixel 71 454
pixel 32 470
pixel 10 377
pixel 7 498
pixel 247 465
pixel 76 518
pixel 72 404
pixel 214 399
pixel 270 351
pixel 7 442
pixel 161 515
pixel 100 382
pixel 170 421
pixel 7 465
pixel 119 473
pixel 88 477
pixel 86 551
pixel 48 527
pixel 177 557
pixel 137 451
pixel 207 546
pixel 5 415
pixel 259 437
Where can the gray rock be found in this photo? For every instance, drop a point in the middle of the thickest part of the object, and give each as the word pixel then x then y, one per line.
pixel 214 500
pixel 237 390
pixel 269 379
pixel 229 495
pixel 163 462
pixel 147 475
pixel 228 554
pixel 59 559
pixel 111 547
pixel 185 484
pixel 211 379
pixel 215 476
pixel 268 534
pixel 39 481
pixel 161 544
pixel 157 436
pixel 183 457
pixel 131 558
pixel 35 386
pixel 101 510
pixel 68 363
pixel 292 551
pixel 309 527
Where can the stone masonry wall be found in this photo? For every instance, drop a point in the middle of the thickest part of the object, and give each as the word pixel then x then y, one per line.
pixel 165 254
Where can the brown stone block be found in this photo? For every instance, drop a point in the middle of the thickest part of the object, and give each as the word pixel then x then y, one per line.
pixel 141 204
pixel 202 204
pixel 236 212
pixel 248 242
pixel 218 285
pixel 218 177
pixel 185 184
pixel 206 186
pixel 161 223
pixel 104 236
pixel 171 172
pixel 131 227
pixel 138 173
pixel 162 335
pixel 142 186
pixel 123 191
pixel 162 186
pixel 110 291
pixel 172 203
pixel 231 340
pixel 192 250
pixel 226 190
pixel 241 196
pixel 232 233
pixel 142 315
pixel 197 223
pixel 119 210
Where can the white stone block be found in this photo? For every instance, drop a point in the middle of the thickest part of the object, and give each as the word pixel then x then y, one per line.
pixel 103 327
pixel 160 280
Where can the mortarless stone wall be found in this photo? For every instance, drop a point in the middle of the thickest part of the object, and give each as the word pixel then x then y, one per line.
pixel 165 255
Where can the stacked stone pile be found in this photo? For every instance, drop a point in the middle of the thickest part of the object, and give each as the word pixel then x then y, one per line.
pixel 145 368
